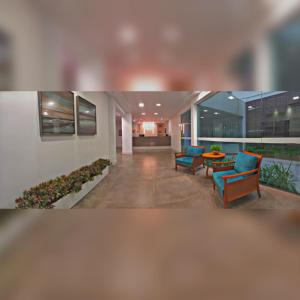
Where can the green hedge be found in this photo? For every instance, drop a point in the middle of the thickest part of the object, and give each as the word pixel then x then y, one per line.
pixel 47 193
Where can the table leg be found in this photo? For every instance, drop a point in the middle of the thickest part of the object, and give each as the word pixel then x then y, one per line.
pixel 207 168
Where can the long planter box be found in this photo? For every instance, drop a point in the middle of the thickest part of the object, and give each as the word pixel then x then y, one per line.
pixel 70 200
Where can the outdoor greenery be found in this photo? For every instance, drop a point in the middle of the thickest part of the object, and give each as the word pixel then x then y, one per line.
pixel 215 148
pixel 288 152
pixel 47 193
pixel 278 176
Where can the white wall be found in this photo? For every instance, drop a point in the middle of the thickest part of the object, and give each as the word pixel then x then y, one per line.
pixel 27 159
pixel 127 134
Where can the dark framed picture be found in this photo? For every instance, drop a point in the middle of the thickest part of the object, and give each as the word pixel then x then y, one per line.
pixel 57 113
pixel 86 117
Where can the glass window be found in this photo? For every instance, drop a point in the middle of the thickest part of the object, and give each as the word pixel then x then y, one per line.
pixel 221 116
pixel 274 115
pixel 280 151
pixel 186 124
pixel 186 128
pixel 257 115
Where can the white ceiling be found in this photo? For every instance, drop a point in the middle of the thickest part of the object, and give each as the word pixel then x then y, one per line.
pixel 171 102
pixel 183 41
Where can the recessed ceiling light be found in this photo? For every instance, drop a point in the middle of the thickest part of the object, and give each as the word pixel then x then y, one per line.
pixel 51 103
pixel 143 114
pixel 201 117
pixel 205 110
pixel 156 113
pixel 127 34
pixel 158 104
pixel 45 113
pixel 250 107
pixel 141 104
pixel 230 97
pixel 216 113
pixel 296 98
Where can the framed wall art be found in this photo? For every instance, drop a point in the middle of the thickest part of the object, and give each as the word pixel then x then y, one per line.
pixel 57 113
pixel 86 117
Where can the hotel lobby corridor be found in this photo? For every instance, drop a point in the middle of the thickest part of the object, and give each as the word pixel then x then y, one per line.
pixel 149 180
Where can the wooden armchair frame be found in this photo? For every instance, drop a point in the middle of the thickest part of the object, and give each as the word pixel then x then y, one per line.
pixel 242 187
pixel 197 160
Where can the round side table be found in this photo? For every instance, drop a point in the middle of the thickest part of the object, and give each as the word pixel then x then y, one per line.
pixel 210 157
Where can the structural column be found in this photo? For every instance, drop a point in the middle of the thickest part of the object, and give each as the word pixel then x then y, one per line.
pixel 112 131
pixel 194 124
pixel 127 133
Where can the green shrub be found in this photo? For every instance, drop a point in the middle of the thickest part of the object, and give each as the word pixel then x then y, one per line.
pixel 278 176
pixel 215 148
pixel 46 193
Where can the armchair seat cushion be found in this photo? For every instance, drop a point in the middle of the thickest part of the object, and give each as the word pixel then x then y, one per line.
pixel 219 181
pixel 194 151
pixel 245 162
pixel 185 160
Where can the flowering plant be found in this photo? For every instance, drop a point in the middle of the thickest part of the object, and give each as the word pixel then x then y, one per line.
pixel 46 193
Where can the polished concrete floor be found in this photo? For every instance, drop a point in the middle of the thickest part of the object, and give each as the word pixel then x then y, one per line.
pixel 149 180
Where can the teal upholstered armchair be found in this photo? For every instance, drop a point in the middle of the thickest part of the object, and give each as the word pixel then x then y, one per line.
pixel 191 158
pixel 235 179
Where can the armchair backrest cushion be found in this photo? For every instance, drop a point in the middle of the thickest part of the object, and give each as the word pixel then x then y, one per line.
pixel 194 151
pixel 245 162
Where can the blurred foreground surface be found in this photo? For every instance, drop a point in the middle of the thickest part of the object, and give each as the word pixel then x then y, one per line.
pixel 149 45
pixel 154 254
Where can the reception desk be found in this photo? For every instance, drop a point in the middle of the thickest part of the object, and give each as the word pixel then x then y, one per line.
pixel 152 141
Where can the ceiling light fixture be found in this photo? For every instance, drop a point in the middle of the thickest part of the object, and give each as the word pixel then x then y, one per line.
pixel 230 97
pixel 205 110
pixel 156 113
pixel 141 104
pixel 143 114
pixel 158 104
pixel 296 98
pixel 127 34
pixel 216 113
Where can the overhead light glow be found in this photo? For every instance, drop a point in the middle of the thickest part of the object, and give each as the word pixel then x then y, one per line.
pixel 146 83
pixel 296 98
pixel 230 97
pixel 45 113
pixel 216 113
pixel 50 103
pixel 127 35
pixel 158 104
pixel 156 113
pixel 205 110
pixel 141 104
pixel 143 114
pixel 201 117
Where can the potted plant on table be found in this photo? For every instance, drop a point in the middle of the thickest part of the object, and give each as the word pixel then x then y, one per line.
pixel 216 149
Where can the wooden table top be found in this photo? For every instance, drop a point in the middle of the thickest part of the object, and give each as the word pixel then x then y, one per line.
pixel 212 156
